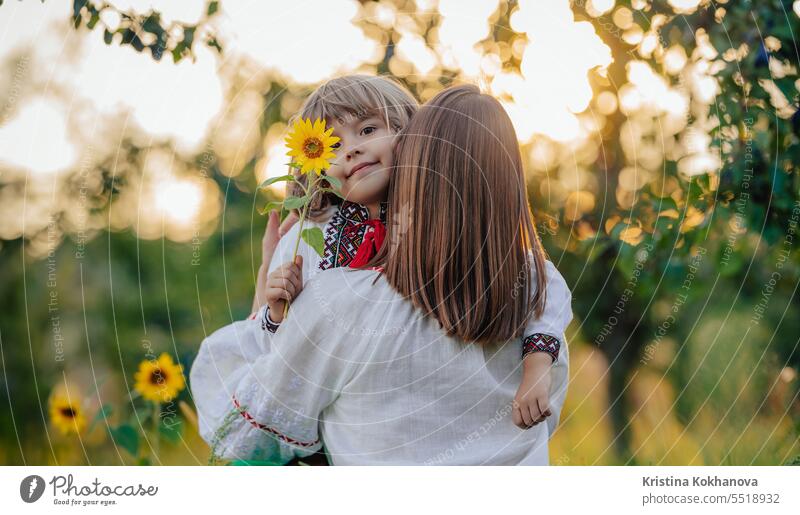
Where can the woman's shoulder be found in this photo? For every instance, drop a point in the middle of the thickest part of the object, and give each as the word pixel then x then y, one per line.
pixel 345 283
pixel 557 286
pixel 553 275
pixel 352 289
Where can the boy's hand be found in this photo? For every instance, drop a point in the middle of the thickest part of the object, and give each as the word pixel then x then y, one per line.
pixel 532 401
pixel 283 285
pixel 269 243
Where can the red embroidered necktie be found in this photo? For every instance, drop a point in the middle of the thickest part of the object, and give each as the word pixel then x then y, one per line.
pixel 373 239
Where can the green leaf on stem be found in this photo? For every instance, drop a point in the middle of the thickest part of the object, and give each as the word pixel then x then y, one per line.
pixel 254 463
pixel 331 190
pixel 314 238
pixel 273 180
pixel 284 213
pixel 269 207
pixel 333 181
pixel 102 414
pixel 126 437
pixel 171 431
pixel 295 202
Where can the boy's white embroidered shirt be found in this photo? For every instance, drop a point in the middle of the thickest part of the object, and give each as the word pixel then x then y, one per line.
pixel 342 234
pixel 357 366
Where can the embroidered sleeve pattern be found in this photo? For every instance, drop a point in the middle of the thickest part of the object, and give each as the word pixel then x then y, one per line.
pixel 540 342
pixel 247 416
pixel 267 324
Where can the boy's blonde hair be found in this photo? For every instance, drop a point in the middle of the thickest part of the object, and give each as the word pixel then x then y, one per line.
pixel 361 96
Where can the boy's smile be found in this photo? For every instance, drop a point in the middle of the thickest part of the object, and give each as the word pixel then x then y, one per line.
pixel 361 166
pixel 363 160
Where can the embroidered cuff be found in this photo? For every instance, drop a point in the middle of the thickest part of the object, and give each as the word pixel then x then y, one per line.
pixel 253 422
pixel 539 342
pixel 267 324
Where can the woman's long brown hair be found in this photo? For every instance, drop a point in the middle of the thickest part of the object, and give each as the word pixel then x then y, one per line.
pixel 461 244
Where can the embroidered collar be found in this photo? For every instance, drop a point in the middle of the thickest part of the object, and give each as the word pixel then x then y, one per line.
pixel 357 213
pixel 344 235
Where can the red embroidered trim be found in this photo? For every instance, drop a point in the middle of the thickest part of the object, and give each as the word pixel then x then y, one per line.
pixel 370 244
pixel 247 416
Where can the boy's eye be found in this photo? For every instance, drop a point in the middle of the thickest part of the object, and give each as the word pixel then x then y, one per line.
pixel 366 131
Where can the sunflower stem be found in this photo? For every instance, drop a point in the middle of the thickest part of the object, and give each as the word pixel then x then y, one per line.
pixel 299 183
pixel 156 420
pixel 300 232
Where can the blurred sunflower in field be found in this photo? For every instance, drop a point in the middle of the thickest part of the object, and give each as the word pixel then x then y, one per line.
pixel 311 145
pixel 66 415
pixel 159 380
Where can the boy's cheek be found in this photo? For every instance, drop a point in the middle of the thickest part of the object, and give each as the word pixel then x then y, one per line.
pixel 336 170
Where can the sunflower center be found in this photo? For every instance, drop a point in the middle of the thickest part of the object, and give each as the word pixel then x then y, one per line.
pixel 312 148
pixel 68 412
pixel 157 377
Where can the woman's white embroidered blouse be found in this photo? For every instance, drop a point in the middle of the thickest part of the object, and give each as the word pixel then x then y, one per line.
pixel 357 367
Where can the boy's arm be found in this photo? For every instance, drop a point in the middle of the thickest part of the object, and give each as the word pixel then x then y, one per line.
pixel 225 357
pixel 546 333
pixel 269 408
pixel 545 358
pixel 270 246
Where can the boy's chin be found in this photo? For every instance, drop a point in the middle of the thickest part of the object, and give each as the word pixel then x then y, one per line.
pixel 367 193
pixel 366 197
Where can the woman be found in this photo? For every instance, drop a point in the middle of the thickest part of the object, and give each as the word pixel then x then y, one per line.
pixel 415 360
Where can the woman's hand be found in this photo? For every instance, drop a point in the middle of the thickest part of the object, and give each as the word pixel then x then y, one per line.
pixel 532 401
pixel 283 285
pixel 269 243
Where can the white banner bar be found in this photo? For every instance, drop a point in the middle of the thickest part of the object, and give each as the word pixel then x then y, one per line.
pixel 400 490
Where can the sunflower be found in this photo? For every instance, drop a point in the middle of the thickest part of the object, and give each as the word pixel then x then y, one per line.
pixel 159 380
pixel 66 415
pixel 310 145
